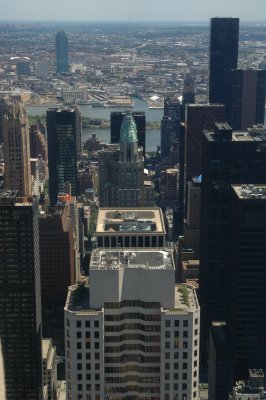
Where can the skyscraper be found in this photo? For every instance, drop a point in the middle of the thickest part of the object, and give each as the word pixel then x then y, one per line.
pixel 16 148
pixel 247 263
pixel 63 132
pixel 116 123
pixel 188 96
pixel 227 157
pixel 122 182
pixel 128 339
pixel 20 297
pixel 170 125
pixel 61 52
pixel 247 98
pixel 223 55
pixel 197 118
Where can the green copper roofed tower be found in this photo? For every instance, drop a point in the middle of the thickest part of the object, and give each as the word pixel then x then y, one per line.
pixel 128 132
pixel 122 181
pixel 128 139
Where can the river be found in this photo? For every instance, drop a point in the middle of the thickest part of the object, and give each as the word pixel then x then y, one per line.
pixel 152 115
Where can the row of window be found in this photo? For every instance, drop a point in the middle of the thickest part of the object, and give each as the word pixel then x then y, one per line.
pixel 88 324
pixel 144 317
pixel 132 336
pixel 131 303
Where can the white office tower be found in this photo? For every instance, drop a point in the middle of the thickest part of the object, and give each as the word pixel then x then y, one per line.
pixel 131 333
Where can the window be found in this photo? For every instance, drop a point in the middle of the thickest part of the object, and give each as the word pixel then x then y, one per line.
pixel 88 377
pixel 184 354
pixel 88 356
pixel 167 356
pixel 79 377
pixel 96 324
pixel 175 386
pixel 167 334
pixel 176 377
pixel 88 366
pixel 97 367
pixel 176 356
pixel 96 345
pixel 185 323
pixel 196 321
pixel 167 377
pixel 68 322
pixel 167 366
pixel 167 323
pixel 167 386
pixel 79 356
pixel 97 356
pixel 88 335
pixel 78 335
pixel 195 374
pixel 78 324
pixel 79 345
pixel 176 323
pixel 195 353
pixel 88 345
pixel 97 387
pixel 79 366
pixel 185 334
pixel 184 376
pixel 87 324
pixel 96 335
pixel 185 365
pixel 167 345
pixel 184 386
pixel 97 377
pixel 175 365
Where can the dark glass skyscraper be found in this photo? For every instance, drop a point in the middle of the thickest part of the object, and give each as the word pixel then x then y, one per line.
pixel 247 322
pixel 223 54
pixel 227 158
pixel 116 123
pixel 61 52
pixel 20 296
pixel 247 98
pixel 63 132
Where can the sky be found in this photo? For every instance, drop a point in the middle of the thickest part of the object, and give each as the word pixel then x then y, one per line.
pixel 132 10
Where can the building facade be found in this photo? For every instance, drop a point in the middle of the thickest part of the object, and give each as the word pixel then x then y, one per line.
pixel 49 366
pixel 130 227
pixel 127 340
pixel 247 98
pixel 64 144
pixel 228 157
pixel 122 181
pixel 61 52
pixel 197 118
pixel 247 263
pixel 170 125
pixel 20 297
pixel 16 148
pixel 223 56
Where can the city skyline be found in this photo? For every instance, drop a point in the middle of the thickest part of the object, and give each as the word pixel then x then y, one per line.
pixel 118 10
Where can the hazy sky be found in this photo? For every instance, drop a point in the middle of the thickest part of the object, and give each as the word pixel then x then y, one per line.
pixel 132 10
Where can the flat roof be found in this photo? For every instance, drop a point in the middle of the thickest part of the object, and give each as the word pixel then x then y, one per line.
pixel 130 220
pixel 250 192
pixel 251 135
pixel 132 258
